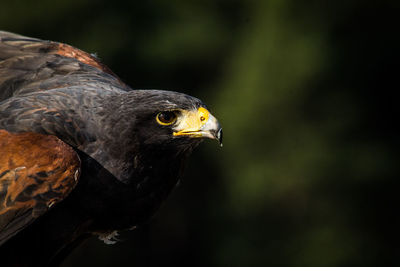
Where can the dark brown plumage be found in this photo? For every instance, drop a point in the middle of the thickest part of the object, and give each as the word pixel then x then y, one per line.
pixel 82 153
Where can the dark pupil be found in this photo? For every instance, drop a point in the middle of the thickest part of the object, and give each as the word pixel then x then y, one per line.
pixel 167 116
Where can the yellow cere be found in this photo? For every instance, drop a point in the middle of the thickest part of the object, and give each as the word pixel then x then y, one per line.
pixel 191 121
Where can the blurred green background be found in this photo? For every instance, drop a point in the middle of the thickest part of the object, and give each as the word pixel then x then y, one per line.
pixel 305 91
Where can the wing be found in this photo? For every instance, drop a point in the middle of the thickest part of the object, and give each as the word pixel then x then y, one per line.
pixel 30 65
pixel 36 172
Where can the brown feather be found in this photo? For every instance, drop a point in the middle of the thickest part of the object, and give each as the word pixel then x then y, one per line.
pixel 36 172
pixel 72 52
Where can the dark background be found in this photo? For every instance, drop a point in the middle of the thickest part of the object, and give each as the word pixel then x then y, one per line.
pixel 305 91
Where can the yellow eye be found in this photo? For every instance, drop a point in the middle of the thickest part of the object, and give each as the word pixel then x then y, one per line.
pixel 166 117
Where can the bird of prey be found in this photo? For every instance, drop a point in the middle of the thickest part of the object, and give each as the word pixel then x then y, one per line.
pixel 81 153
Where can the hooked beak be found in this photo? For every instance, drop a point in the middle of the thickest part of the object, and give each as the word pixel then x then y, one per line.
pixel 199 124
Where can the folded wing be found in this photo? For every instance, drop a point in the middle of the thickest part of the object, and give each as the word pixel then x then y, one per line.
pixel 36 172
pixel 30 65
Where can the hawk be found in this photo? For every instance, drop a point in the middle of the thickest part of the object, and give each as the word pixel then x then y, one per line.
pixel 82 153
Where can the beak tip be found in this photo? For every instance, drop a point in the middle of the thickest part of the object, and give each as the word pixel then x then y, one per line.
pixel 219 136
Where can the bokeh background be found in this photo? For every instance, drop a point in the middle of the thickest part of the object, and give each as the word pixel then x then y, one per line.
pixel 305 91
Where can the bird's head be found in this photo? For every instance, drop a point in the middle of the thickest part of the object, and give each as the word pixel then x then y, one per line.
pixel 156 124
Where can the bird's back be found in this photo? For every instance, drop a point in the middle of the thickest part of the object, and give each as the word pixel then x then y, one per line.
pixel 29 65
